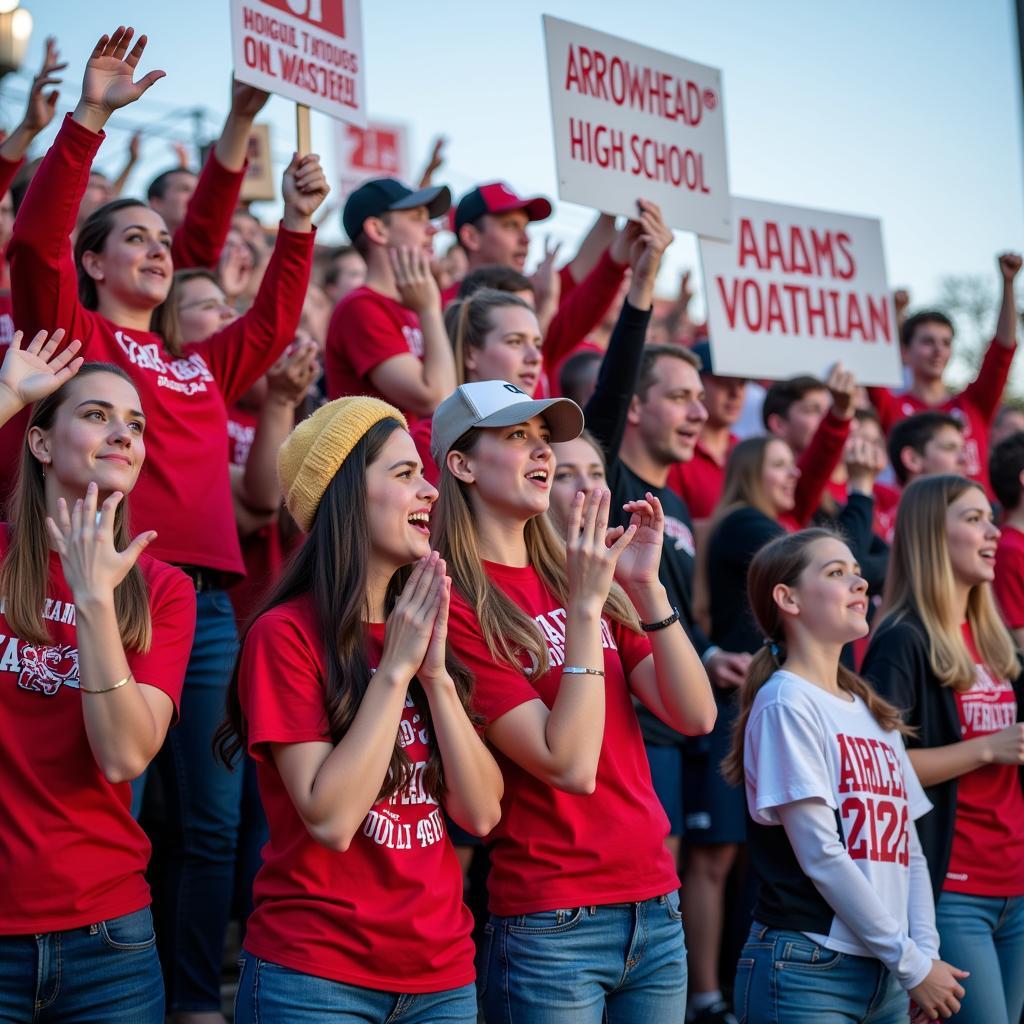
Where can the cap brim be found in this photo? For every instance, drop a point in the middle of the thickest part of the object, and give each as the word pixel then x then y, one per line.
pixel 437 200
pixel 535 208
pixel 564 417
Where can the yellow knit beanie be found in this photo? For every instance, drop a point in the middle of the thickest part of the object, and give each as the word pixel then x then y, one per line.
pixel 316 448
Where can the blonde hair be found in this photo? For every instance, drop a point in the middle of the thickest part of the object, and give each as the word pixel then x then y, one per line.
pixel 783 561
pixel 25 572
pixel 920 580
pixel 508 631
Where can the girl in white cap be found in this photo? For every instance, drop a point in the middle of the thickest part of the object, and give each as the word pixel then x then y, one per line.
pixel 585 914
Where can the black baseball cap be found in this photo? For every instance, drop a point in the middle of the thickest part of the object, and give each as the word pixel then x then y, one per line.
pixel 381 195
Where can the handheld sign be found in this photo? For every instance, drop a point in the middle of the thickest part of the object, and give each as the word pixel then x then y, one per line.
pixel 258 183
pixel 380 150
pixel 309 51
pixel 630 121
pixel 798 290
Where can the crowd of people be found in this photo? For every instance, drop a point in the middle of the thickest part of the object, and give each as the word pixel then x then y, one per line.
pixel 469 640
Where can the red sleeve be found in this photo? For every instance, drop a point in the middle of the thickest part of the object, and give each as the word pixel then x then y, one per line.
pixel 8 172
pixel 281 706
pixel 582 311
pixel 985 392
pixel 243 351
pixel 886 405
pixel 200 237
pixel 1009 585
pixel 497 686
pixel 817 464
pixel 633 647
pixel 567 282
pixel 44 285
pixel 367 335
pixel 421 432
pixel 172 609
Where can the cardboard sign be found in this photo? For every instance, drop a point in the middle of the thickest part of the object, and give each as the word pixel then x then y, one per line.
pixel 258 183
pixel 631 122
pixel 797 291
pixel 380 150
pixel 309 51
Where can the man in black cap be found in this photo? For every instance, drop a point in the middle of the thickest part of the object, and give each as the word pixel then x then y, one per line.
pixel 387 338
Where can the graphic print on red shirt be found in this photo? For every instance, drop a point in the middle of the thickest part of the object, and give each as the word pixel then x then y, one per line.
pixel 554 849
pixel 387 913
pixel 987 858
pixel 71 854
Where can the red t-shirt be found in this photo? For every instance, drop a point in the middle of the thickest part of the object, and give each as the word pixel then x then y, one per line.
pixel 71 853
pixel 184 483
pixel 367 329
pixel 975 407
pixel 421 431
pixel 1009 581
pixel 385 914
pixel 554 849
pixel 699 482
pixel 987 858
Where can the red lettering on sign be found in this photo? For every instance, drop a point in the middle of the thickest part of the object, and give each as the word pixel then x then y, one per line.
pixel 328 15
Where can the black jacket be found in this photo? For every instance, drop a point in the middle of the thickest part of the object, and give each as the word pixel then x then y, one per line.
pixel 897 666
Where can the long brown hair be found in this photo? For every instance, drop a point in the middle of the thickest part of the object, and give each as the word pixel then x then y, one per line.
pixel 783 561
pixel 25 572
pixel 469 322
pixel 920 580
pixel 332 568
pixel 508 631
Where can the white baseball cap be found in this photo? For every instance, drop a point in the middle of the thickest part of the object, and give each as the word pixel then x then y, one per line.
pixel 496 403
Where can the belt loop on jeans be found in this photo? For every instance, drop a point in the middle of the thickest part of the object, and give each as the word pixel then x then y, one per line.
pixel 203 579
pixel 761 929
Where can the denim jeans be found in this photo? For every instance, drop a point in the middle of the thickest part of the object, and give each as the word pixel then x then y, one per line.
pixel 271 994
pixel 985 935
pixel 784 977
pixel 624 964
pixel 106 973
pixel 193 874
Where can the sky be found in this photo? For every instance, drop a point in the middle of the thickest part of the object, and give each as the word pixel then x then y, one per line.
pixel 909 111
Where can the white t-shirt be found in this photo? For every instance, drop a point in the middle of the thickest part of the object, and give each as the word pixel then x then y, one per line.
pixel 802 742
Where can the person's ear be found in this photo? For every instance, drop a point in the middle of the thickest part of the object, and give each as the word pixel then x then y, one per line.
pixel 39 445
pixel 786 599
pixel 633 414
pixel 912 460
pixel 460 467
pixel 778 425
pixel 92 263
pixel 375 230
pixel 469 236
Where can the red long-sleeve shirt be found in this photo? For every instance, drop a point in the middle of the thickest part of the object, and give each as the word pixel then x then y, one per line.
pixel 201 235
pixel 817 464
pixel 183 490
pixel 975 407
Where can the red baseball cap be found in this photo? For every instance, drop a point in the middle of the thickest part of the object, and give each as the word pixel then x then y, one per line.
pixel 498 197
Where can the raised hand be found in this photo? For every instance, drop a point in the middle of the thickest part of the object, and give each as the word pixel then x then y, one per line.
pixel 545 280
pixel 410 625
pixel 108 84
pixel 638 564
pixel 288 380
pixel 417 289
pixel 591 550
pixel 1009 265
pixel 246 100
pixel 435 161
pixel 304 188
pixel 41 106
pixel 864 462
pixel 93 566
pixel 38 370
pixel 843 385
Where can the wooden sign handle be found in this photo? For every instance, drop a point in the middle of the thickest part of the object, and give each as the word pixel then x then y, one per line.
pixel 304 141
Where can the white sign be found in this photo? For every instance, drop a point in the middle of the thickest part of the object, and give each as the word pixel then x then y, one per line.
pixel 309 51
pixel 635 123
pixel 797 291
pixel 380 150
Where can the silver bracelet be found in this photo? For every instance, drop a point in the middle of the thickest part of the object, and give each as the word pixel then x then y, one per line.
pixel 581 670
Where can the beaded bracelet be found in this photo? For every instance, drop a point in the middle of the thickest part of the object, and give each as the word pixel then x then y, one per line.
pixel 653 627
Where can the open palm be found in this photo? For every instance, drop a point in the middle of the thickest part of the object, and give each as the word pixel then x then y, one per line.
pixel 38 370
pixel 639 563
pixel 108 84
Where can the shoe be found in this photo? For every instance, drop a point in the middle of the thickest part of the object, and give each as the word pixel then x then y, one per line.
pixel 716 1013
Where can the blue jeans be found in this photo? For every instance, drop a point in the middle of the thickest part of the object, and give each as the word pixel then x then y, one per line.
pixel 624 964
pixel 271 994
pixel 194 872
pixel 985 935
pixel 784 977
pixel 106 973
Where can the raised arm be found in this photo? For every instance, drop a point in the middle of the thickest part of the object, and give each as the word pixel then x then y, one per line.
pixel 38 115
pixel 245 349
pixel 200 238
